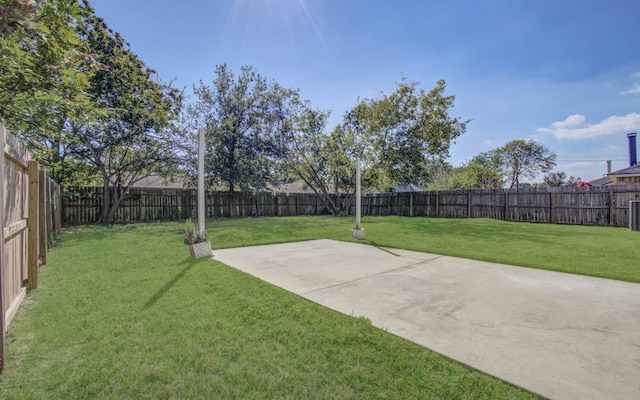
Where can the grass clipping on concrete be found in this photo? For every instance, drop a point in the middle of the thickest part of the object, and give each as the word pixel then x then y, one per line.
pixel 124 312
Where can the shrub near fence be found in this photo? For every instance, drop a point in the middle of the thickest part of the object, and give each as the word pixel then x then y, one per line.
pixel 607 205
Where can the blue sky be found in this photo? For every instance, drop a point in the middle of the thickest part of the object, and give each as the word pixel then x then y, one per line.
pixel 563 72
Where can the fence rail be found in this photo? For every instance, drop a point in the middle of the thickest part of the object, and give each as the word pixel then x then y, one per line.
pixel 579 206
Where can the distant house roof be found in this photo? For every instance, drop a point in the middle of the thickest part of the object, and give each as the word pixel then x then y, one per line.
pixel 157 182
pixel 635 170
pixel 408 188
pixel 604 181
pixel 294 187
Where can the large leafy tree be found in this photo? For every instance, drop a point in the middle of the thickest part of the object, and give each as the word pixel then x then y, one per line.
pixel 321 160
pixel 131 136
pixel 400 139
pixel 247 120
pixel 524 158
pixel 401 135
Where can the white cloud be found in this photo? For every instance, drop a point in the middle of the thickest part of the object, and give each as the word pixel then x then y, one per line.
pixel 636 74
pixel 574 127
pixel 634 90
pixel 571 120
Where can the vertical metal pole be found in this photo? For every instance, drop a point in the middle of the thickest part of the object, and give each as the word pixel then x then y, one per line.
pixel 358 194
pixel 201 180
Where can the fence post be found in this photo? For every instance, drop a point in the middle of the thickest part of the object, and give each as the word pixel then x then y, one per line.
pixel 469 199
pixel 2 289
pixel 552 206
pixel 42 218
pixel 275 204
pixel 411 205
pixel 58 207
pixel 506 204
pixel 612 208
pixel 50 209
pixel 32 224
pixel 437 204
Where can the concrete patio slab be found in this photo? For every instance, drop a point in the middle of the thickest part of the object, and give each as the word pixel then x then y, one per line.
pixel 559 335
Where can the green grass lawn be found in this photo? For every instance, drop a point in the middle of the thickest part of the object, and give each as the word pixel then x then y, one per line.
pixel 123 312
pixel 586 250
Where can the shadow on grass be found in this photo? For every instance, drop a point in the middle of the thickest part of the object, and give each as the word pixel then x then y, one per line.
pixel 190 263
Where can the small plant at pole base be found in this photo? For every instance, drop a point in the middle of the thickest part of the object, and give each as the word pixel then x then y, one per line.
pixel 191 235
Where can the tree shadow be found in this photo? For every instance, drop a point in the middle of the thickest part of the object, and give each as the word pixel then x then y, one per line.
pixel 190 263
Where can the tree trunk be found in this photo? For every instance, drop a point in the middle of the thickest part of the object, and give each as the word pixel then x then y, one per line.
pixel 105 201
pixel 118 197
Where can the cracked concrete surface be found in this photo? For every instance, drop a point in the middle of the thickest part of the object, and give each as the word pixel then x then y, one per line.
pixel 559 335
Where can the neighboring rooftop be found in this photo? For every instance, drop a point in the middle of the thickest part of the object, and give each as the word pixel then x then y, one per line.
pixel 626 176
pixel 157 182
pixel 604 181
pixel 633 170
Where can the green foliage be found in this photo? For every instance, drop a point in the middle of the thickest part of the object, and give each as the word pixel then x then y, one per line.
pixel 524 158
pixel 191 234
pixel 482 172
pixel 402 134
pixel 441 176
pixel 45 67
pixel 86 105
pixel 559 178
pixel 43 63
pixel 246 119
pixel 400 139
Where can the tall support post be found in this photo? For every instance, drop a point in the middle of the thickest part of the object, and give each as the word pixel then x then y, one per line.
pixel 201 215
pixel 358 195
pixel 201 249
pixel 2 200
pixel 358 232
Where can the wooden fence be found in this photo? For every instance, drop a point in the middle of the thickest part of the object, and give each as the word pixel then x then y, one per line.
pixel 580 206
pixel 607 205
pixel 82 205
pixel 31 217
